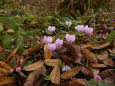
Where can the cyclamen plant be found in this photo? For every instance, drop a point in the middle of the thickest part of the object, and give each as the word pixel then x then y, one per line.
pixel 70 38
pixel 59 43
pixel 47 39
pixel 51 28
pixel 17 69
pixel 68 23
pixel 52 46
pixel 97 78
pixel 85 29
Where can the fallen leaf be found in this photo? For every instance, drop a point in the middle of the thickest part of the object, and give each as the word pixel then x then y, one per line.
pixel 101 46
pixel 103 55
pixel 55 75
pixel 67 59
pixel 70 49
pixel 6 81
pixel 110 79
pixel 52 62
pixel 108 61
pixel 78 55
pixel 70 73
pixel 33 22
pixel 99 65
pixel 1 49
pixel 89 55
pixel 87 71
pixel 34 66
pixel 11 55
pixel 10 31
pixel 4 65
pixel 47 53
pixel 32 49
pixel 33 77
pixel 95 71
pixel 107 73
pixel 87 46
pixel 4 71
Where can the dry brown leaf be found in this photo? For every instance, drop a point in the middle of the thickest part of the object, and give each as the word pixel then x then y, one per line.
pixel 1 49
pixel 89 55
pixel 70 49
pixel 35 48
pixel 112 51
pixel 47 53
pixel 55 75
pixel 67 59
pixel 87 71
pixel 99 65
pixel 78 55
pixel 4 71
pixel 34 66
pixel 52 62
pixel 87 46
pixel 11 55
pixel 95 71
pixel 70 73
pixel 4 65
pixel 107 73
pixel 21 76
pixel 33 77
pixel 10 31
pixel 103 55
pixel 6 81
pixel 101 46
pixel 108 61
pixel 110 79
pixel 33 22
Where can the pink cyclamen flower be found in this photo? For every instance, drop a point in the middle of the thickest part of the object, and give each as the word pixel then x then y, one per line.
pixel 47 40
pixel 80 28
pixel 66 67
pixel 68 23
pixel 51 28
pixel 11 70
pixel 70 38
pixel 59 43
pixel 18 69
pixel 52 47
pixel 88 30
pixel 97 78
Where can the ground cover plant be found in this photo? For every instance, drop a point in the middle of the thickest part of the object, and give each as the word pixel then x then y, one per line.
pixel 40 47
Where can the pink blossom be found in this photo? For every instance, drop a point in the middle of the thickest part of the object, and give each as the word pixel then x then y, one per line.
pixel 97 78
pixel 88 30
pixel 70 38
pixel 59 43
pixel 47 39
pixel 66 67
pixel 52 47
pixel 11 70
pixel 80 28
pixel 85 29
pixel 68 23
pixel 18 69
pixel 51 28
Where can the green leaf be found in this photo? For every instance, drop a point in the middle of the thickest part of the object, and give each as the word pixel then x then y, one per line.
pixel 47 77
pixel 46 30
pixel 7 40
pixel 1 27
pixel 20 1
pixel 28 63
pixel 111 36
